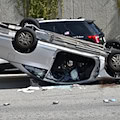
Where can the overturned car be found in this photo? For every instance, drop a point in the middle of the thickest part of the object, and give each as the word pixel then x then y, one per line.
pixel 55 58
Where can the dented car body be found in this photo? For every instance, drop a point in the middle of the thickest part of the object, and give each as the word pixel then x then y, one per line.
pixel 54 58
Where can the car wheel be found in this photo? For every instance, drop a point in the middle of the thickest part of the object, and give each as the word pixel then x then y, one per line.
pixel 29 21
pixel 113 61
pixel 113 44
pixel 25 40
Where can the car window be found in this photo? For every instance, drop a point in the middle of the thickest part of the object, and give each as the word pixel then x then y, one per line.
pixel 58 27
pixel 77 28
pixel 93 27
pixel 61 27
pixel 71 28
pixel 48 26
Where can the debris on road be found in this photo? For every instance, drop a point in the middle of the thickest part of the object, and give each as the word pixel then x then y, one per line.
pixel 56 87
pixel 28 89
pixel 106 101
pixel 112 100
pixel 25 90
pixel 33 88
pixel 75 85
pixel 55 102
pixel 109 100
pixel 6 104
pixel 62 87
pixel 78 86
pixel 47 88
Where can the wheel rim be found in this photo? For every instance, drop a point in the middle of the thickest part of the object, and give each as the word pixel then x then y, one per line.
pixel 25 39
pixel 115 62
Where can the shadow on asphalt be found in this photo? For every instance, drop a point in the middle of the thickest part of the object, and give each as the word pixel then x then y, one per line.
pixel 11 79
pixel 17 79
pixel 106 82
pixel 14 82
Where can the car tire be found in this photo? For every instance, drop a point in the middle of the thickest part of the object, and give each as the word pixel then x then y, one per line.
pixel 113 44
pixel 113 60
pixel 25 40
pixel 29 21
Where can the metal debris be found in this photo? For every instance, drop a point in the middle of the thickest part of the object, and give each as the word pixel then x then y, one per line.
pixel 109 100
pixel 6 104
pixel 106 101
pixel 55 102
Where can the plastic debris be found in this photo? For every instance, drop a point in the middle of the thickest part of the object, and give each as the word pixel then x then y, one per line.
pixel 112 100
pixel 47 88
pixel 28 89
pixel 75 85
pixel 78 86
pixel 25 90
pixel 109 100
pixel 62 87
pixel 106 100
pixel 56 87
pixel 55 102
pixel 6 104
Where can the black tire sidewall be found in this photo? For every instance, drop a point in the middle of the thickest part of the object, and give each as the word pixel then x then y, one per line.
pixel 113 52
pixel 29 21
pixel 20 48
pixel 110 42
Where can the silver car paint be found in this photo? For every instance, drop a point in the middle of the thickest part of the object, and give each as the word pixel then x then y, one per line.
pixel 42 56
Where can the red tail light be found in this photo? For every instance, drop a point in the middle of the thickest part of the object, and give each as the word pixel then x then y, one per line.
pixel 95 38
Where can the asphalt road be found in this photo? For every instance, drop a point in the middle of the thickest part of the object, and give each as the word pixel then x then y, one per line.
pixel 13 78
pixel 81 102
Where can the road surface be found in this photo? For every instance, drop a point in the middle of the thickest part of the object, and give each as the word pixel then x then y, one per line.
pixel 78 103
pixel 81 102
